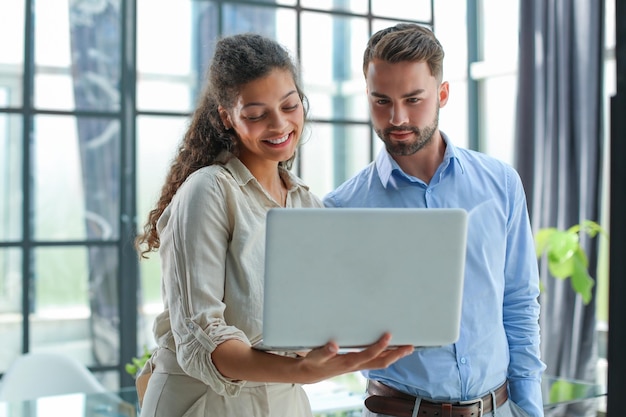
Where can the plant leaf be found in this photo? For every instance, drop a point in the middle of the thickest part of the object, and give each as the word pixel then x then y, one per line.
pixel 561 268
pixel 592 228
pixel 542 238
pixel 562 246
pixel 130 369
pixel 581 281
pixel 562 391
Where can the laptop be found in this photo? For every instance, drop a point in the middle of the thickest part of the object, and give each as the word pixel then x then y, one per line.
pixel 351 274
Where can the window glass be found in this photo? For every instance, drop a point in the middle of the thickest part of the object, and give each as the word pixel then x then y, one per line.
pixel 10 176
pixel 168 83
pixel 453 117
pixel 10 305
pixel 401 9
pixel 332 153
pixel 278 24
pixel 378 24
pixel 452 34
pixel 11 53
pixel 498 35
pixel 174 84
pixel 75 302
pixel 76 164
pixel 75 185
pixel 354 6
pixel 609 24
pixel 451 30
pixel 332 66
pixel 158 139
pixel 496 74
pixel 82 70
pixel 498 122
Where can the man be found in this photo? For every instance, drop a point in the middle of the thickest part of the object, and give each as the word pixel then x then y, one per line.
pixel 495 365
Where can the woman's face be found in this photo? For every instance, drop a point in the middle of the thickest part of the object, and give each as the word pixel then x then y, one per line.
pixel 268 117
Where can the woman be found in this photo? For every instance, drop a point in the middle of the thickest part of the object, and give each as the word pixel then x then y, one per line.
pixel 209 225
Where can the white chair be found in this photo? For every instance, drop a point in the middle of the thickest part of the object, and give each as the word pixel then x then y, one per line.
pixel 35 375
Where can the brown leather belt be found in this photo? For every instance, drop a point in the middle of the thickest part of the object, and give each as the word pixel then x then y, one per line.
pixel 386 400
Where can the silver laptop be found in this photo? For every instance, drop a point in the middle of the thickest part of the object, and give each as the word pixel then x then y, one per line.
pixel 351 274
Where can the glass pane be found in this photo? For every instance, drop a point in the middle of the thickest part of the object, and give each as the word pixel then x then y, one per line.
pixel 500 96
pixel 275 23
pixel 332 66
pixel 174 84
pixel 610 23
pixel 10 177
pixel 153 162
pixel 452 34
pixel 500 36
pixel 75 303
pixel 150 304
pixel 378 24
pixel 10 305
pixel 11 53
pixel 76 168
pixel 354 6
pixel 401 9
pixel 77 55
pixel 154 157
pixel 453 117
pixel 169 84
pixel 278 24
pixel 332 154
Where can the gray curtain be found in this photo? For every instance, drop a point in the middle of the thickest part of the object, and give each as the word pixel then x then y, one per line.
pixel 95 44
pixel 558 154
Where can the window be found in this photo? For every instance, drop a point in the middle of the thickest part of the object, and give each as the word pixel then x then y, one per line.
pixel 90 117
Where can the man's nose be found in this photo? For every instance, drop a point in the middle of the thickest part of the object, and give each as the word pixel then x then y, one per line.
pixel 399 116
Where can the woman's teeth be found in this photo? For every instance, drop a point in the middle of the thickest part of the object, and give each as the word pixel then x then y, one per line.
pixel 279 140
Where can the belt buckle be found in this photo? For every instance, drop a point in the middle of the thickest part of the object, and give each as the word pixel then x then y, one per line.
pixel 472 402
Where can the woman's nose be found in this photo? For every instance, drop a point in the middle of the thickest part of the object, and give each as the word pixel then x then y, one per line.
pixel 278 121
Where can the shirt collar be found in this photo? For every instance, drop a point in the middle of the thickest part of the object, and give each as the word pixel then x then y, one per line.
pixel 242 174
pixel 386 165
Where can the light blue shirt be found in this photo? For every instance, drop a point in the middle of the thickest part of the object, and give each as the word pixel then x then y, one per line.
pixel 499 336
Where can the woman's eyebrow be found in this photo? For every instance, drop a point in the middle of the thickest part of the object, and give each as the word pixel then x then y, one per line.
pixel 257 103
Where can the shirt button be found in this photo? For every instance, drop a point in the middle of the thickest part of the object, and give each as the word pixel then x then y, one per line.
pixel 190 326
pixel 463 360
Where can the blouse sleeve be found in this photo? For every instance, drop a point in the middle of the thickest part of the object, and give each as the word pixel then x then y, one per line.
pixel 194 235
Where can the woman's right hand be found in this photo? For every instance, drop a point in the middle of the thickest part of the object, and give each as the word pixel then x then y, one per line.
pixel 326 361
pixel 237 360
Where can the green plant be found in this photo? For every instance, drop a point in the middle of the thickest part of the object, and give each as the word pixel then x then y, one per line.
pixel 566 258
pixel 136 364
pixel 563 391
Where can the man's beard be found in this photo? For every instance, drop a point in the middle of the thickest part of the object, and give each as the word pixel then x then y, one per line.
pixel 422 137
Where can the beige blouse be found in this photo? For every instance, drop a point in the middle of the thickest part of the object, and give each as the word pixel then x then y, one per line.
pixel 212 255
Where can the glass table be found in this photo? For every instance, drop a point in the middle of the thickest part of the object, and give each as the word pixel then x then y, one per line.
pixel 326 400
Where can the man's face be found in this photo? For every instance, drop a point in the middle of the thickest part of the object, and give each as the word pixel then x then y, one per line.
pixel 404 100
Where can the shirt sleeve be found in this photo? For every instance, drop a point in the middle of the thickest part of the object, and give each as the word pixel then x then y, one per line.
pixel 194 240
pixel 521 305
